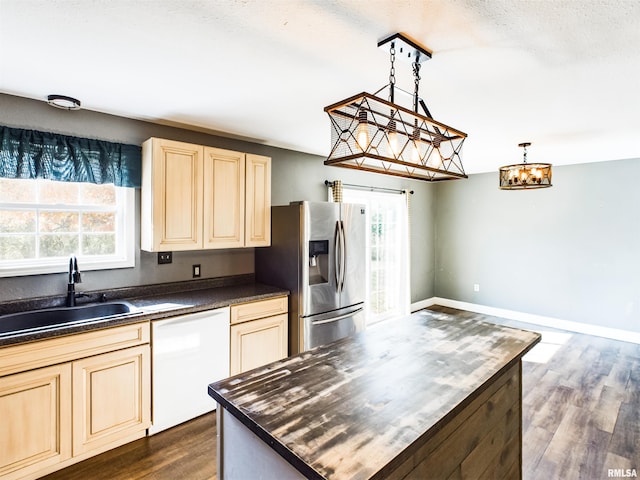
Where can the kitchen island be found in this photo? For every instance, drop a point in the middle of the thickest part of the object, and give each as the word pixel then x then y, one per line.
pixel 424 396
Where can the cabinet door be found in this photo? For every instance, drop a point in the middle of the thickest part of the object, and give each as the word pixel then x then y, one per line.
pixel 111 399
pixel 258 202
pixel 258 342
pixel 224 198
pixel 172 189
pixel 35 420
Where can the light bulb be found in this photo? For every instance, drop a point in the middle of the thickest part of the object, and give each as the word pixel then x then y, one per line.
pixel 436 161
pixel 362 136
pixel 436 154
pixel 415 147
pixel 392 136
pixel 393 142
pixel 362 132
pixel 415 151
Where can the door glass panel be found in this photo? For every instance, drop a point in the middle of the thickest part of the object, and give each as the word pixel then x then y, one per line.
pixel 387 252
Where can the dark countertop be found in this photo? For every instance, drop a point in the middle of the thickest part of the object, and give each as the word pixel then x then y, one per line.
pixel 161 301
pixel 353 408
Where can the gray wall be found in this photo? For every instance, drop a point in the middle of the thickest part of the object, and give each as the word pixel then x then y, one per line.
pixel 571 251
pixel 295 176
pixel 295 179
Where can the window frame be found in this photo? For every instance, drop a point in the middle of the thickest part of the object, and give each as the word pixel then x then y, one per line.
pixel 125 240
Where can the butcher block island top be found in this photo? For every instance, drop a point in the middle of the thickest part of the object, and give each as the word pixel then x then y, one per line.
pixel 424 396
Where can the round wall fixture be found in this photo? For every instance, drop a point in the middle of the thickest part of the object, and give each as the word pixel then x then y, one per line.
pixel 63 102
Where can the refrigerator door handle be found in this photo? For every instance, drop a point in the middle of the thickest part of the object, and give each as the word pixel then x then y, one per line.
pixel 342 256
pixel 336 256
pixel 335 319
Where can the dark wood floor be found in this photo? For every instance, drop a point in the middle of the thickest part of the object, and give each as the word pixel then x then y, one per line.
pixel 581 407
pixel 185 452
pixel 581 417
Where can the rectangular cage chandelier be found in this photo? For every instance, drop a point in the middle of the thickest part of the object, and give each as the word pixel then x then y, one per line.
pixel 372 134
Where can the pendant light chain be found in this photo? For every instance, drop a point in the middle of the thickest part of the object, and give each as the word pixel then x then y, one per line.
pixel 416 82
pixel 391 127
pixel 392 71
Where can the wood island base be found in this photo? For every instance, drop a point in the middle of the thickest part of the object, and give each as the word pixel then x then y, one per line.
pixel 484 440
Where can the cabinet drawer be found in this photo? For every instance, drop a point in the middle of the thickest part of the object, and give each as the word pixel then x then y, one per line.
pixel 23 357
pixel 263 308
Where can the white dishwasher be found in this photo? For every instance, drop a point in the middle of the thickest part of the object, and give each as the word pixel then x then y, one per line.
pixel 188 353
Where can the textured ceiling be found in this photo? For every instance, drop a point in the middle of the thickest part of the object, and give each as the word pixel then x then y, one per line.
pixel 563 75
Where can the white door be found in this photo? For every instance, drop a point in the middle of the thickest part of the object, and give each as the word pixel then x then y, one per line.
pixel 388 288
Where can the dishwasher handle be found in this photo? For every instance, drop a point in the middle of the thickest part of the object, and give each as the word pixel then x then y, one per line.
pixel 191 317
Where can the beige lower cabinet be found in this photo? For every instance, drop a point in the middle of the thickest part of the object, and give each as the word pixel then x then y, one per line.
pixel 52 416
pixel 35 420
pixel 111 398
pixel 258 333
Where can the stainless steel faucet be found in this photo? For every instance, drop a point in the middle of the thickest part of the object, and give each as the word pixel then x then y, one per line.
pixel 74 277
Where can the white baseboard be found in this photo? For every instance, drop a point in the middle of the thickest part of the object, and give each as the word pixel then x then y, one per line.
pixel 571 326
pixel 422 304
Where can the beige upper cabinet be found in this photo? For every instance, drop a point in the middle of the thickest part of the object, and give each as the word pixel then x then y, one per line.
pixel 219 198
pixel 224 194
pixel 171 196
pixel 258 201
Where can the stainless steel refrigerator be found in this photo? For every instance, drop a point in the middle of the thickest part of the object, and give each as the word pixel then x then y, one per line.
pixel 317 252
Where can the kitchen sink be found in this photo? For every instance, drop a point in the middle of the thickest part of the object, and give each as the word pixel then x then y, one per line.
pixel 36 320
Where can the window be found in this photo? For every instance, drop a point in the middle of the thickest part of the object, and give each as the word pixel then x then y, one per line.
pixel 43 222
pixel 387 251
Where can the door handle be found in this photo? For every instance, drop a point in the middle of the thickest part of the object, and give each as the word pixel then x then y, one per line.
pixel 335 319
pixel 342 256
pixel 336 255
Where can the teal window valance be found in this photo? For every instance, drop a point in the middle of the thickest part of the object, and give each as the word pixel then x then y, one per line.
pixel 33 154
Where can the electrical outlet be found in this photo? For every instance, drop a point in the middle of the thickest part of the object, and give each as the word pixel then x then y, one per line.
pixel 196 271
pixel 165 257
pixel 476 287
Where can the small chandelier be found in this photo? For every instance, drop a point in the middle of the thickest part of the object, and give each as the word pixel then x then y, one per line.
pixel 525 175
pixel 372 134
